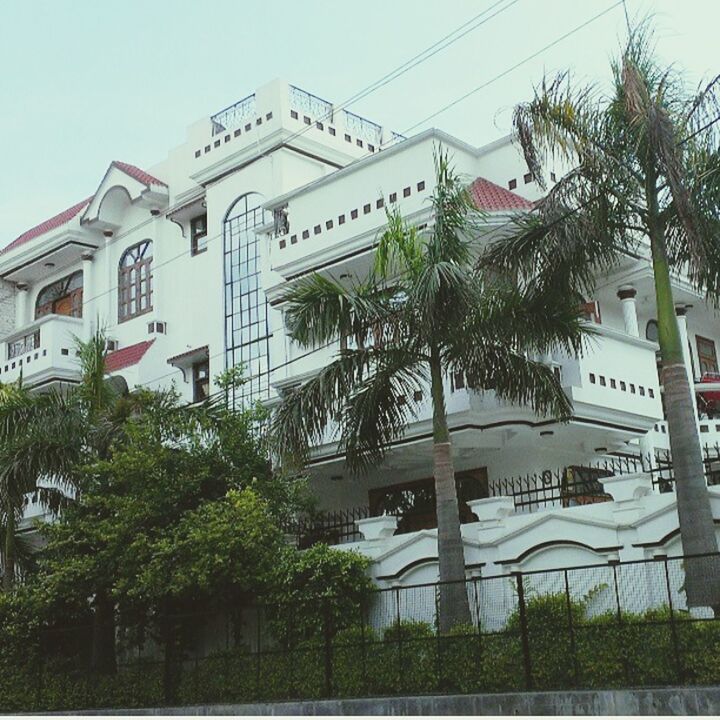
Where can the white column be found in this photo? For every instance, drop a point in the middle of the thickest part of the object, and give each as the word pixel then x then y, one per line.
pixel 627 297
pixel 680 311
pixel 88 310
pixel 21 302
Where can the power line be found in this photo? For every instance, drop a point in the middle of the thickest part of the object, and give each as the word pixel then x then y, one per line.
pixel 514 67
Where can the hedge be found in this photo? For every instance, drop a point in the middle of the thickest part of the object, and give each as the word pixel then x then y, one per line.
pixel 604 651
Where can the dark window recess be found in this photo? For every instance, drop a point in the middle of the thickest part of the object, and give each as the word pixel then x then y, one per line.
pixel 331 130
pixel 602 380
pixel 353 214
pixel 613 384
pixel 268 116
pixel 421 186
pixel 305 234
pixel 293 239
pixel 258 121
pixel 293 115
pixel 418 396
pixel 528 178
pixel 359 142
pixel 380 203
pixel 347 138
pixel 632 388
pixel 512 184
pixel 623 386
pixel 328 225
pixel 317 229
pixel 371 147
pixel 406 192
pixel 248 127
pixel 414 502
pixel 227 138
pixel 458 381
pixel 592 378
pixel 306 120
pixel 553 177
pixel 393 197
pixel 198 234
pixel 341 219
pixel 238 132
pixel 642 390
pixel 207 148
pixel 63 297
pixel 283 243
pixel 319 125
pixel 707 356
pixel 216 143
pixel 197 153
pixel 201 380
pixel 366 208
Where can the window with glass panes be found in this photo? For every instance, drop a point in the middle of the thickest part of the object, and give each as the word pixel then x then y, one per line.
pixel 247 331
pixel 198 234
pixel 135 281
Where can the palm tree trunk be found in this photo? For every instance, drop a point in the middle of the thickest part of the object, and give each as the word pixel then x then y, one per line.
pixel 697 530
pixel 454 608
pixel 9 549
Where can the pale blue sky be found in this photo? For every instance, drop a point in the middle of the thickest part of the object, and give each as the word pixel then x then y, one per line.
pixel 84 82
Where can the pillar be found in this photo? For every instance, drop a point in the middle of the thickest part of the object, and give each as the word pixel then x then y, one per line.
pixel 681 312
pixel 88 309
pixel 21 304
pixel 629 307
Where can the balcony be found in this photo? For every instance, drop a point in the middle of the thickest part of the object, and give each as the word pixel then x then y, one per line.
pixel 615 382
pixel 42 352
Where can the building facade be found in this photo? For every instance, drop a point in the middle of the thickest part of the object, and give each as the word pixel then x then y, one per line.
pixel 184 266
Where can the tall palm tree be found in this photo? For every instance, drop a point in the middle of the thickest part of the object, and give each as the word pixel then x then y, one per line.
pixel 645 178
pixel 421 314
pixel 37 443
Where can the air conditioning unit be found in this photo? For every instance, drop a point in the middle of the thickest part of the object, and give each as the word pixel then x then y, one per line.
pixel 157 327
pixel 111 345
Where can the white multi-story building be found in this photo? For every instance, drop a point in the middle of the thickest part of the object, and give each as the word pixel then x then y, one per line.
pixel 184 265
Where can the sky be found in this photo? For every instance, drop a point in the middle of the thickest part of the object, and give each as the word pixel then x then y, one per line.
pixel 85 82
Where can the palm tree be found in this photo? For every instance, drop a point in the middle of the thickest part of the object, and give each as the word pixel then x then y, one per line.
pixel 421 314
pixel 37 443
pixel 645 171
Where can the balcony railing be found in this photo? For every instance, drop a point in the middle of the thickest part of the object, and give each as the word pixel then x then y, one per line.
pixel 310 104
pixel 234 115
pixel 362 127
pixel 43 351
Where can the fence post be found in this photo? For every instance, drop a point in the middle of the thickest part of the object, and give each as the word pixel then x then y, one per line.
pixel 478 659
pixel 571 629
pixel 673 628
pixel 438 659
pixel 524 636
pixel 399 637
pixel 614 564
pixel 365 688
pixel 328 647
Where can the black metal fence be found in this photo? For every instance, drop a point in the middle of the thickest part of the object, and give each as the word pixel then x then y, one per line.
pixel 601 626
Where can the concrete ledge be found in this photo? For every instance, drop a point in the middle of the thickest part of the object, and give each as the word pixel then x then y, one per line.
pixel 641 701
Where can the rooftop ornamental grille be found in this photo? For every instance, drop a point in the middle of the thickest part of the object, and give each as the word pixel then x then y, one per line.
pixel 234 115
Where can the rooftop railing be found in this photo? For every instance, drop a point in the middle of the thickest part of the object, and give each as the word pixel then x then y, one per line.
pixel 310 104
pixel 234 115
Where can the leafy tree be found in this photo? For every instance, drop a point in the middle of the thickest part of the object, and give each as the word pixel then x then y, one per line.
pixel 422 314
pixel 645 178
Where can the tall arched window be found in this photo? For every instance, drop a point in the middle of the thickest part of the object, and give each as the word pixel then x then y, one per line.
pixel 247 331
pixel 63 297
pixel 135 281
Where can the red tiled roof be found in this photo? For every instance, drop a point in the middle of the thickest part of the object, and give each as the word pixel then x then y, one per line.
pixel 127 356
pixel 54 222
pixel 138 174
pixel 489 196
pixel 67 215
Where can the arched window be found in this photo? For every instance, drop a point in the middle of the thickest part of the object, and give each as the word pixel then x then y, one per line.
pixel 135 281
pixel 247 329
pixel 63 297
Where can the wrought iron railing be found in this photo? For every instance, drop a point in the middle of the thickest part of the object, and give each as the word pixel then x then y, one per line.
pixel 234 115
pixel 363 128
pixel 310 104
pixel 24 345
